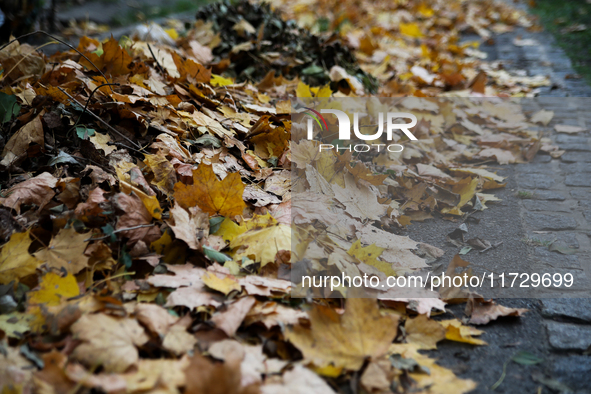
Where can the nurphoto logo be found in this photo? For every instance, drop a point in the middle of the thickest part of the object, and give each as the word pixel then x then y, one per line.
pixel 391 125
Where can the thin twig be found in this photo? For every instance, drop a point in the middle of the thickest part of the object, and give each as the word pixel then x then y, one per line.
pixel 156 60
pixel 60 41
pixel 88 101
pixel 99 118
pixel 120 231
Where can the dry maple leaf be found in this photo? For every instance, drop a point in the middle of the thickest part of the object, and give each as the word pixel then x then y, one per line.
pixel 108 341
pixel 189 225
pixel 211 195
pixel 263 241
pixel 113 61
pixel 15 260
pixel 424 332
pixel 66 250
pixel 345 340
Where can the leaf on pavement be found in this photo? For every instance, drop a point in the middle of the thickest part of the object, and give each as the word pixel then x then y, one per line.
pixel 483 311
pixel 456 331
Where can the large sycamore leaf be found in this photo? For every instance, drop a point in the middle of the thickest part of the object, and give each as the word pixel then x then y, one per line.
pixel 108 341
pixel 66 250
pixel 345 340
pixel 15 260
pixel 210 194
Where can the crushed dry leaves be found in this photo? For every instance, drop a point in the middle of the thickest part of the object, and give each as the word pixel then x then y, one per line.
pixel 146 223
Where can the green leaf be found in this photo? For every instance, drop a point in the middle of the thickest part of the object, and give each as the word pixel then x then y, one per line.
pixel 8 107
pixel 312 70
pixel 83 132
pixel 214 255
pixel 208 140
pixel 465 249
pixel 526 358
pixel 215 223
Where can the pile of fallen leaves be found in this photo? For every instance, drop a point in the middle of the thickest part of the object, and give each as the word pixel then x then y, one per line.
pixel 146 206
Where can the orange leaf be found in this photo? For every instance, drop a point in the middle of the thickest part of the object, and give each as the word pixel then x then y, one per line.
pixel 192 70
pixel 211 195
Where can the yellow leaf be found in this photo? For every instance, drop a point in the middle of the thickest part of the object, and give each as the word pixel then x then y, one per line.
pixel 424 332
pixel 456 331
pixel 439 379
pixel 262 244
pixel 172 33
pixel 324 91
pixel 229 230
pixel 15 260
pixel 53 289
pixel 100 141
pixel 223 285
pixel 218 80
pixel 15 324
pixel 425 10
pixel 369 255
pixel 345 340
pixel 211 195
pixel 303 90
pixel 66 250
pixel 410 30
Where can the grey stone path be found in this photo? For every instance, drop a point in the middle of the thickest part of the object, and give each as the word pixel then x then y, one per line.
pixel 558 212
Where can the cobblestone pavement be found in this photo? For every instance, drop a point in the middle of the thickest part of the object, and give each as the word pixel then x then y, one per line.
pixel 555 215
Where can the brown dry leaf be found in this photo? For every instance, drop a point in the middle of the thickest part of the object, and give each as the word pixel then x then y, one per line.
pixel 424 332
pixel 483 311
pixel 113 61
pixel 37 191
pixel 298 380
pixel 206 377
pixel 189 226
pixel 230 320
pixel 18 144
pixel 66 251
pixel 53 378
pixel 135 214
pixel 178 340
pixel 156 318
pixel 101 141
pixel 562 128
pixel 345 340
pixel 15 371
pixel 191 70
pixel 213 196
pixel 108 341
pixel 15 260
pixel 157 376
pixel 91 208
